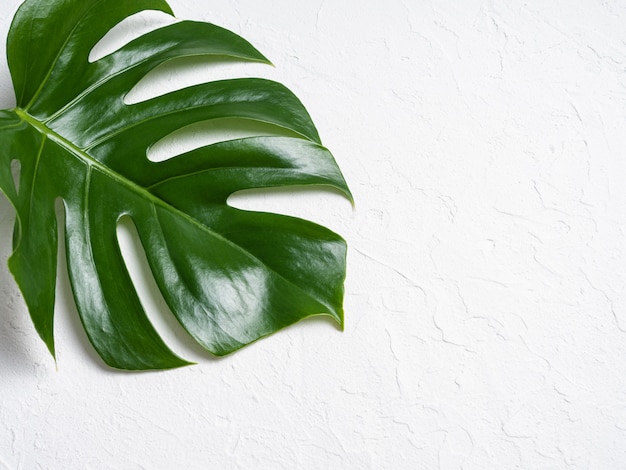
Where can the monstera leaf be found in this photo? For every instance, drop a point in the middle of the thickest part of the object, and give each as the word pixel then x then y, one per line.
pixel 229 276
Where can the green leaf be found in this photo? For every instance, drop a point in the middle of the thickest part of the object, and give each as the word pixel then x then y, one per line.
pixel 229 276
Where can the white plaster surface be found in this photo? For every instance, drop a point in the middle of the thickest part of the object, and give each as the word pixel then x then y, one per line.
pixel 485 145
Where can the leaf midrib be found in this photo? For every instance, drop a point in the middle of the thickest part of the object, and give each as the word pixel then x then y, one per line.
pixel 134 187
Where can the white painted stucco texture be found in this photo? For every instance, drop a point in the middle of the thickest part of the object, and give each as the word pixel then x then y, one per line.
pixel 485 144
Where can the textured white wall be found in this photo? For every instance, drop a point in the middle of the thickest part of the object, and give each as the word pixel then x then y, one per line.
pixel 484 142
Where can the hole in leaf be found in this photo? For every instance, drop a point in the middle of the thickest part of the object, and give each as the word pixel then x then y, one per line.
pixel 16 168
pixel 184 72
pixel 7 95
pixel 157 310
pixel 305 202
pixel 7 220
pixel 209 132
pixel 128 29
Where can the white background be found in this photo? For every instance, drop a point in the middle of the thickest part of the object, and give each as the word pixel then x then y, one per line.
pixel 485 144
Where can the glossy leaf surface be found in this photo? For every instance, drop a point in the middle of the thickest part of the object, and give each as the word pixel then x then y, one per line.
pixel 229 276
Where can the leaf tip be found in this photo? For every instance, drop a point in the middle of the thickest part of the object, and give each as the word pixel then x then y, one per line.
pixel 350 198
pixel 51 349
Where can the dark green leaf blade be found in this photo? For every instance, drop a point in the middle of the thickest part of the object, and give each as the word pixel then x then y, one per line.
pixel 124 129
pixel 133 61
pixel 226 167
pixel 224 297
pixel 49 42
pixel 229 276
pixel 177 40
pixel 110 310
pixel 34 258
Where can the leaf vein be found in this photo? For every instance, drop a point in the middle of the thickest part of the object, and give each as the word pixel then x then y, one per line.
pixel 56 59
